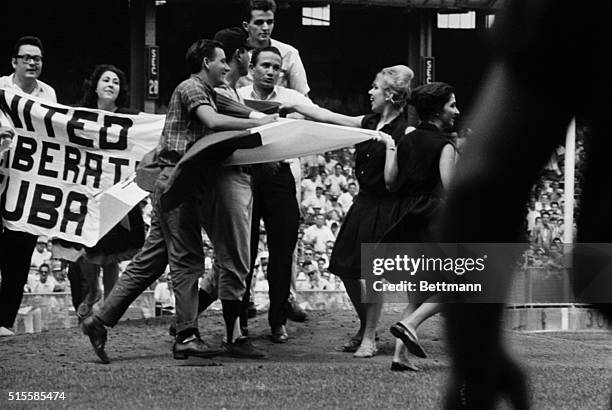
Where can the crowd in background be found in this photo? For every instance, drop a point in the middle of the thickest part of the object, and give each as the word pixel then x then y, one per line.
pixel 326 190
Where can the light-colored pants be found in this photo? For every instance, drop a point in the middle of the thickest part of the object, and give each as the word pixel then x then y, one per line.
pixel 225 214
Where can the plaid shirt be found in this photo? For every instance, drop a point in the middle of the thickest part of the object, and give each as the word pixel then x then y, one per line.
pixel 182 128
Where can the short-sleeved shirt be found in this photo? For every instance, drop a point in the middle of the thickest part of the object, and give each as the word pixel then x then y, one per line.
pixel 293 74
pixel 182 127
pixel 41 90
pixel 418 162
pixel 370 155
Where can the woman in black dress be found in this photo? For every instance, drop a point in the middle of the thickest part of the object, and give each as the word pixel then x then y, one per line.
pixel 374 207
pixel 419 173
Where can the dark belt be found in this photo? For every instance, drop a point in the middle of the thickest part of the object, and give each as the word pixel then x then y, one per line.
pixel 247 169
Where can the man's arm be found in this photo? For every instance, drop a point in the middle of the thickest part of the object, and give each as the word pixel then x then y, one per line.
pixel 221 122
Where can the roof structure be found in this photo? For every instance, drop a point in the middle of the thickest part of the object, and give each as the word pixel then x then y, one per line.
pixel 431 4
pixel 443 5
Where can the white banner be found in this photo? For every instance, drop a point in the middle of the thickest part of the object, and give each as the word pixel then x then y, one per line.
pixel 70 168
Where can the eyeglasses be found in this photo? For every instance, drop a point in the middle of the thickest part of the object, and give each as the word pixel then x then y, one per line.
pixel 261 22
pixel 27 58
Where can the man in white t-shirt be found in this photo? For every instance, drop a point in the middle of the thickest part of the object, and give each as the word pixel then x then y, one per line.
pixel 27 62
pixel 346 199
pixel 259 24
pixel 318 234
pixel 41 254
pixel 45 283
pixel 336 182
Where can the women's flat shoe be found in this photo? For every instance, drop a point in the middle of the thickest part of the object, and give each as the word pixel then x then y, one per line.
pixel 409 338
pixel 403 367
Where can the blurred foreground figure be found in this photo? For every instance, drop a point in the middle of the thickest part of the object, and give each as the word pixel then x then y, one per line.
pixel 548 66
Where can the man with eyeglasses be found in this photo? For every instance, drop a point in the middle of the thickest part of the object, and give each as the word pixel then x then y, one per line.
pixel 259 24
pixel 27 62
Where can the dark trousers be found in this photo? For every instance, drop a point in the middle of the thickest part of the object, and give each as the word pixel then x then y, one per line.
pixel 16 248
pixel 174 238
pixel 274 200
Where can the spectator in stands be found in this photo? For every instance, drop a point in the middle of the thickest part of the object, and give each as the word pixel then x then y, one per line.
pixel 45 282
pixel 333 210
pixel 543 204
pixel 316 203
pixel 164 295
pixel 61 280
pixel 346 198
pixel 532 215
pixel 336 182
pixel 545 237
pixel 41 254
pixel 318 234
pixel 557 227
pixel 329 163
pixel 309 184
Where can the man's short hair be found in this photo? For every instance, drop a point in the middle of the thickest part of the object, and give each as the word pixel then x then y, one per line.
pixel 233 39
pixel 29 40
pixel 198 51
pixel 44 265
pixel 263 5
pixel 258 51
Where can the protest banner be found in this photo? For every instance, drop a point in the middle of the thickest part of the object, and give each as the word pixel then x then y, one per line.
pixel 64 160
pixel 70 171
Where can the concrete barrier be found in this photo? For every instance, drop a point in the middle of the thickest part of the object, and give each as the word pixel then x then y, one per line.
pixel 555 318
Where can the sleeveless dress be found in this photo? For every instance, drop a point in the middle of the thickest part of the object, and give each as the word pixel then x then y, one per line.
pixel 420 189
pixel 375 209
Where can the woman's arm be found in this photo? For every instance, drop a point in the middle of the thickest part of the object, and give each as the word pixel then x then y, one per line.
pixel 447 165
pixel 391 169
pixel 316 113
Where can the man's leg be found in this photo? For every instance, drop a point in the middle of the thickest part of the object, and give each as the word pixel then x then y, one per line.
pixel 183 236
pixel 144 269
pixel 228 223
pixel 17 248
pixel 281 217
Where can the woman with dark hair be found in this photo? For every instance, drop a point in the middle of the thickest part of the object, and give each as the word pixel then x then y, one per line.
pixel 106 89
pixel 374 210
pixel 420 172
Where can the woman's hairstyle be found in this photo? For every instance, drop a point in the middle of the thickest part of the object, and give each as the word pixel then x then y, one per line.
pixel 429 99
pixel 396 80
pixel 90 98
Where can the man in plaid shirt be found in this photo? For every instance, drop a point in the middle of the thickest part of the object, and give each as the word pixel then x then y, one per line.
pixel 175 235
